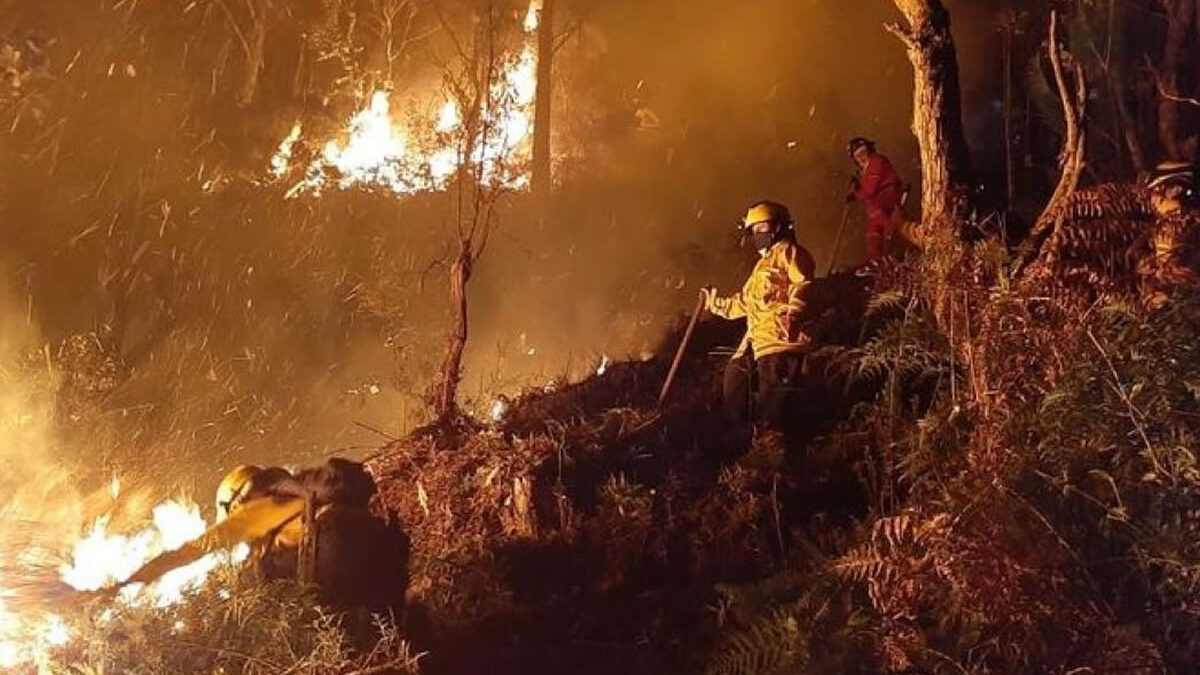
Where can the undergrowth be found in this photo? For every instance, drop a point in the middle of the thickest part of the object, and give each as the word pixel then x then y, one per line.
pixel 1035 496
pixel 234 624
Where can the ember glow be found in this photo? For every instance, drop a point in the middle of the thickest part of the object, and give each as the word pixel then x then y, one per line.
pixel 427 151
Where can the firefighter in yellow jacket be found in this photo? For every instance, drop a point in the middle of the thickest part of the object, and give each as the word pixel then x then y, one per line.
pixel 766 365
pixel 359 560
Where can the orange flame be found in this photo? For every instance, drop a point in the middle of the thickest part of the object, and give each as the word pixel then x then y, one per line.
pixel 101 559
pixel 376 152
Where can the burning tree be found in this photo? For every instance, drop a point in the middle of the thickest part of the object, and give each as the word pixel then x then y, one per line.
pixel 473 145
pixel 495 95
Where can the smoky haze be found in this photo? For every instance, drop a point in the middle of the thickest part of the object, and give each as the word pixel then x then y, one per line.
pixel 239 326
pixel 681 115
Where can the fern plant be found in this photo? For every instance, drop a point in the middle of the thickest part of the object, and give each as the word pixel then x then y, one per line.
pixel 803 620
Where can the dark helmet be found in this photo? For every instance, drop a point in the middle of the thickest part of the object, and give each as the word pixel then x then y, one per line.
pixel 1175 181
pixel 860 142
pixel 1182 174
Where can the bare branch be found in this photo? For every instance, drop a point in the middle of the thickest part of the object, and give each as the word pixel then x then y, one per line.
pixel 1162 91
pixel 237 30
pixel 901 34
pixel 573 29
pixel 1071 159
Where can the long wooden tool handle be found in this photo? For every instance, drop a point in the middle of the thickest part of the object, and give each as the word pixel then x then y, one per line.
pixel 683 345
pixel 837 243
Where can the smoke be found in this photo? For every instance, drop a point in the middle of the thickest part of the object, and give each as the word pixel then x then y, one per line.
pixel 27 387
pixel 677 116
pixel 196 320
pixel 40 508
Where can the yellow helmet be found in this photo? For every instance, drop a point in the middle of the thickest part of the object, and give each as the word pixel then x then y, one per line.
pixel 767 211
pixel 234 487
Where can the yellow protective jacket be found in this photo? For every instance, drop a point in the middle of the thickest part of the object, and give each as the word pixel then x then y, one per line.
pixel 771 301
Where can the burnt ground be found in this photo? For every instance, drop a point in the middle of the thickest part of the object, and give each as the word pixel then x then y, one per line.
pixel 587 532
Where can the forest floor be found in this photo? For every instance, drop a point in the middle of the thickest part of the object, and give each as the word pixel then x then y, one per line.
pixel 589 530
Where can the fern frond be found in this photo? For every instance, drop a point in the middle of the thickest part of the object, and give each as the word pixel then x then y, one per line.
pixel 887 300
pixel 772 645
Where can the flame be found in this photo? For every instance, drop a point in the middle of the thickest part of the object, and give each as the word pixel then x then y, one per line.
pixel 10 655
pixel 506 140
pixel 375 152
pixel 30 632
pixel 533 17
pixel 56 633
pixel 24 642
pixel 283 157
pixel 101 560
pixel 449 118
pixel 426 154
pixel 499 408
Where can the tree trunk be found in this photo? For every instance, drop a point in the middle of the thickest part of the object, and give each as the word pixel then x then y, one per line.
pixel 1129 127
pixel 937 112
pixel 1191 144
pixel 1181 14
pixel 545 88
pixel 1010 173
pixel 447 394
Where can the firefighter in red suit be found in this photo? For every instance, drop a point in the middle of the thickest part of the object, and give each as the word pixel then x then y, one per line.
pixel 879 188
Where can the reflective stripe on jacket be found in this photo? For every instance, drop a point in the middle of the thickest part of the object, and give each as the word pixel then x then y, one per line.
pixel 771 301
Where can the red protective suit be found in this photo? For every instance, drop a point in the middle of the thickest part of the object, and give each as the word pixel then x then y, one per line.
pixel 881 191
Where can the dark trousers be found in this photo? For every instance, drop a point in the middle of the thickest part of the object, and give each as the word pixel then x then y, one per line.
pixel 760 389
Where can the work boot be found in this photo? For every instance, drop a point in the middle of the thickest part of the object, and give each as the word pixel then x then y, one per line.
pixel 768 449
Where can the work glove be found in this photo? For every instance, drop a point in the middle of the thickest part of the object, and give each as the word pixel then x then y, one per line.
pixel 795 332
